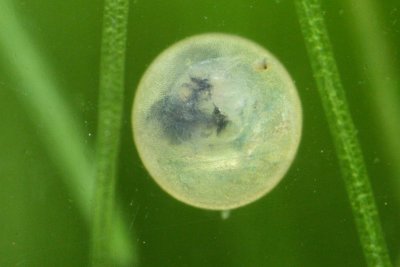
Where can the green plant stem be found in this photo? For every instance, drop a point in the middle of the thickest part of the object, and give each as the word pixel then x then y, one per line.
pixel 63 137
pixel 383 78
pixel 112 69
pixel 343 131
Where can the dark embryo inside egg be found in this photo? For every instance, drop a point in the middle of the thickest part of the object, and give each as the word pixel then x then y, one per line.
pixel 183 115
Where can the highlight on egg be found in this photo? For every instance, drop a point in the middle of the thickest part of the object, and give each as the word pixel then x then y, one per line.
pixel 216 121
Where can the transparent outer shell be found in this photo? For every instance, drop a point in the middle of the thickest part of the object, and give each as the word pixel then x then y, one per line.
pixel 217 121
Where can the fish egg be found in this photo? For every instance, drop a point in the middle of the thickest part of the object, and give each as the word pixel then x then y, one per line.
pixel 216 121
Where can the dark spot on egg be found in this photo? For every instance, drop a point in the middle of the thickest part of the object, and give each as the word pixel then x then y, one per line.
pixel 261 65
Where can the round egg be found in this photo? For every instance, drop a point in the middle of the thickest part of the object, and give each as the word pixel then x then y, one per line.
pixel 217 121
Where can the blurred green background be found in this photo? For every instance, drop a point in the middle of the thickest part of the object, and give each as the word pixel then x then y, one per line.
pixel 305 221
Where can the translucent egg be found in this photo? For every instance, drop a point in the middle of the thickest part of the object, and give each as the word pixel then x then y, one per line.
pixel 217 121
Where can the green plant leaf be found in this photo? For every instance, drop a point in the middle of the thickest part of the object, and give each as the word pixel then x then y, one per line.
pixel 64 139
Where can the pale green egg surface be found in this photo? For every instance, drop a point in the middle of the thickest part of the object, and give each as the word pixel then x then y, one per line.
pixel 217 121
